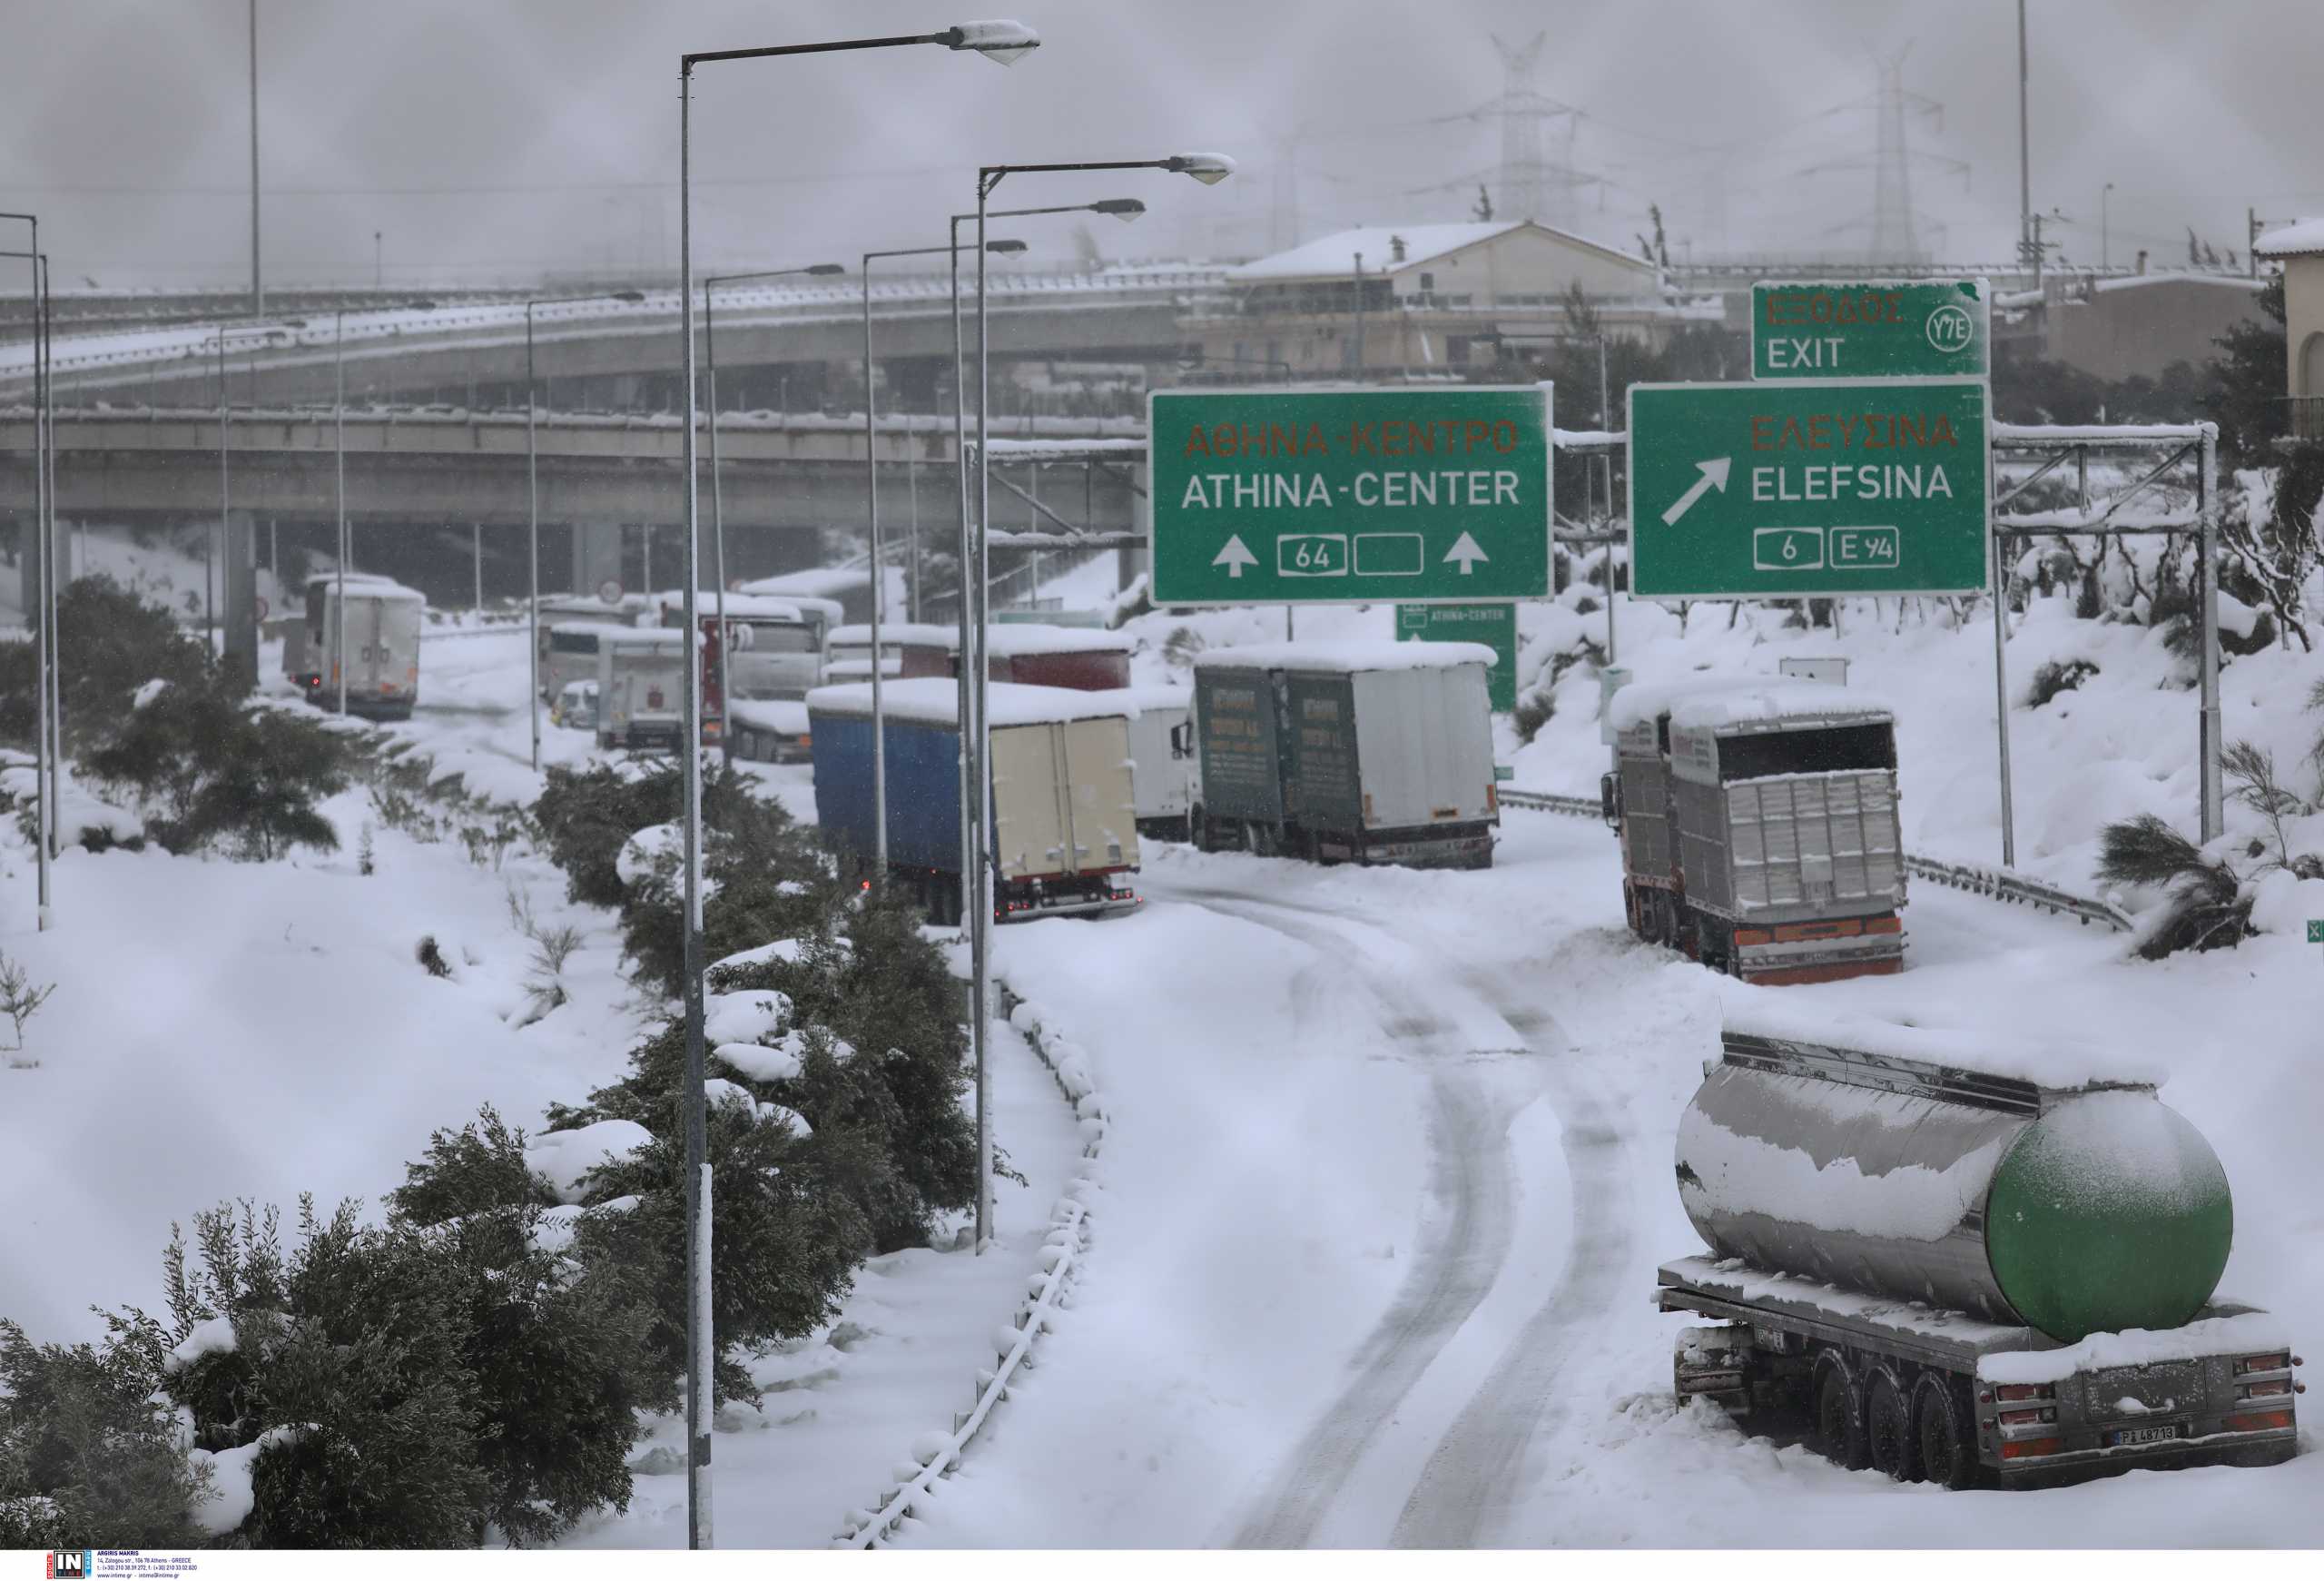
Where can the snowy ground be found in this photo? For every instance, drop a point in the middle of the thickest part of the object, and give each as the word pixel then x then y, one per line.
pixel 1389 1169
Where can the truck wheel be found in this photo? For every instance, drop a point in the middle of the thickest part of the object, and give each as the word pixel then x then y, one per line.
pixel 1948 1451
pixel 1889 1437
pixel 1839 1417
pixel 1198 828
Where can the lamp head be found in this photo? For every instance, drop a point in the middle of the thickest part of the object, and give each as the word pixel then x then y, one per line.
pixel 632 297
pixel 1122 208
pixel 825 268
pixel 1003 43
pixel 424 305
pixel 1006 245
pixel 1209 169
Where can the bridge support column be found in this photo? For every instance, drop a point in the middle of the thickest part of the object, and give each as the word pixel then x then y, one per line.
pixel 597 555
pixel 239 596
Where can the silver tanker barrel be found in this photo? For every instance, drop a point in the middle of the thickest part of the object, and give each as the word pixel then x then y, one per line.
pixel 2044 1187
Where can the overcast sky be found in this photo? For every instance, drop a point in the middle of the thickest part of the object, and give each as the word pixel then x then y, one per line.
pixel 497 139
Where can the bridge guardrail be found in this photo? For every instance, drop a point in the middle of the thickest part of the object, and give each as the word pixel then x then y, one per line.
pixel 2000 883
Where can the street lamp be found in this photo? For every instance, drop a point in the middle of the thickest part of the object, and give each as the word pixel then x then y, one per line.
pixel 1125 210
pixel 49 722
pixel 1209 169
pixel 1003 43
pixel 2105 255
pixel 533 493
pixel 879 559
pixel 718 494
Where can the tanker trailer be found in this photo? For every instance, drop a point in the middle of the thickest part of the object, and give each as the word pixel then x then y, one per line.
pixel 1965 1262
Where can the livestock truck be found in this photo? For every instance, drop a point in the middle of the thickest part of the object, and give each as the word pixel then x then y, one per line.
pixel 1367 752
pixel 1964 1264
pixel 1064 812
pixel 1758 827
pixel 383 620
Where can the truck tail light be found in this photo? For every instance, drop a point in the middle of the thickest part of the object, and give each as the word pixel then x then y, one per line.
pixel 2276 1389
pixel 2274 1362
pixel 1492 798
pixel 2026 1391
pixel 2032 1414
pixel 2261 1422
pixel 2026 1448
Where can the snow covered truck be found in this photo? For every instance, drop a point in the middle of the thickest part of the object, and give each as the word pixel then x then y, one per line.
pixel 1758 827
pixel 1369 752
pixel 641 688
pixel 1963 1263
pixel 1064 810
pixel 383 620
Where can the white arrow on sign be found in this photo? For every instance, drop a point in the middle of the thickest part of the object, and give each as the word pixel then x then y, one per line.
pixel 1714 475
pixel 1235 557
pixel 1466 550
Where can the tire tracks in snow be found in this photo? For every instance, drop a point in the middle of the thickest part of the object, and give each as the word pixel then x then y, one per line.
pixel 1470 1479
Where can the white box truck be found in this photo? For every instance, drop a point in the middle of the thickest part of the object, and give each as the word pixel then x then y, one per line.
pixel 641 688
pixel 383 621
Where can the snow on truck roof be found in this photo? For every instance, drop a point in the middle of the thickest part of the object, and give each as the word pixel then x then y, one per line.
pixel 933 700
pixel 1708 704
pixel 2057 1063
pixel 1347 657
pixel 739 605
pixel 901 633
pixel 1005 642
pixel 640 636
pixel 370 585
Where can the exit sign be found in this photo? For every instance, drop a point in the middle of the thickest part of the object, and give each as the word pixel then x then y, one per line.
pixel 1893 328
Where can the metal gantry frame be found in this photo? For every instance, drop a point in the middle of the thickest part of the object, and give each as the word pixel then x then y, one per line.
pixel 2170 447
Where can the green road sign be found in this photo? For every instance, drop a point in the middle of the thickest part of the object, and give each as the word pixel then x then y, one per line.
pixel 1349 496
pixel 1808 488
pixel 1893 328
pixel 1494 625
pixel 2315 931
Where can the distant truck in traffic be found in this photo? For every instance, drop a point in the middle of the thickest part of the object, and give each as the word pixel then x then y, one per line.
pixel 776 645
pixel 1963 1265
pixel 1164 764
pixel 383 620
pixel 641 688
pixel 1758 827
pixel 1064 811
pixel 1369 752
pixel 1076 658
pixel 568 649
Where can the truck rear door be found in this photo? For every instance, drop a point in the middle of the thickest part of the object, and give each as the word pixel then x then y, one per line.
pixel 1032 820
pixel 1101 801
pixel 1816 840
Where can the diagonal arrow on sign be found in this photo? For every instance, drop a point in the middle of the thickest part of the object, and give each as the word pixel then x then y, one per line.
pixel 1235 557
pixel 1465 551
pixel 1714 475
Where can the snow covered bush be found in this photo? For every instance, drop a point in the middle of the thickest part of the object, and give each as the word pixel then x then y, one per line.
pixel 212 771
pixel 110 643
pixel 355 1338
pixel 558 1343
pixel 88 1458
pixel 2207 908
pixel 20 998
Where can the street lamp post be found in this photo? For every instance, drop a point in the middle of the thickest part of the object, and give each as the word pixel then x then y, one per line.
pixel 1209 169
pixel 879 559
pixel 1004 42
pixel 717 493
pixel 533 496
pixel 2105 253
pixel 49 738
pixel 1125 210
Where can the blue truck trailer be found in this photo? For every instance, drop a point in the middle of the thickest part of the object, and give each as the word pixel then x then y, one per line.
pixel 1064 806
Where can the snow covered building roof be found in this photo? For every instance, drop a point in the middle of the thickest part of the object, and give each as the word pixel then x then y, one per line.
pixel 1392 250
pixel 2291 241
pixel 1345 657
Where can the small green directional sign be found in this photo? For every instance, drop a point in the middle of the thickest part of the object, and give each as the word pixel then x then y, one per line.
pixel 1494 625
pixel 2315 931
pixel 1349 496
pixel 1882 329
pixel 1808 488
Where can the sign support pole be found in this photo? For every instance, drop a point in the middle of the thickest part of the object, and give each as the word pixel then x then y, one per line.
pixel 2001 695
pixel 2207 540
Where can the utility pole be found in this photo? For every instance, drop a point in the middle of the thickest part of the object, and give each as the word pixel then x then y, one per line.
pixel 2024 155
pixel 1359 315
pixel 258 290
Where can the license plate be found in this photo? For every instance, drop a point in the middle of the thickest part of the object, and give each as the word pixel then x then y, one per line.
pixel 2122 1438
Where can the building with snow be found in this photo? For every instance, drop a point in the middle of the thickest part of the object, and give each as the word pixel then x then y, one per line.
pixel 2114 326
pixel 1418 301
pixel 2300 248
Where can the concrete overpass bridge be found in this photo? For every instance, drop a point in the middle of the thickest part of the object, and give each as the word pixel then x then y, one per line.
pixel 782 482
pixel 607 354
